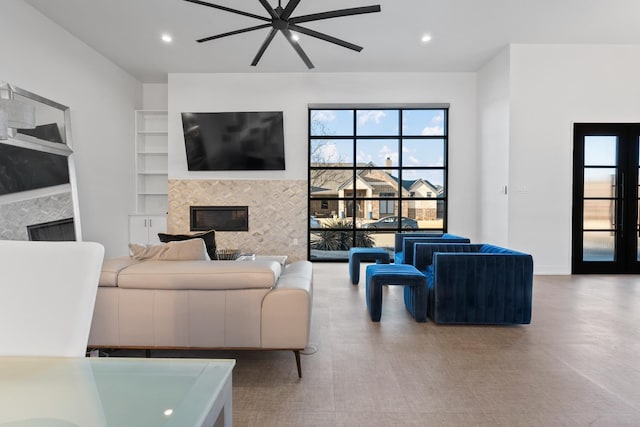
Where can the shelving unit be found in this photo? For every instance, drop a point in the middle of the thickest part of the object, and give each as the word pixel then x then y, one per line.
pixel 151 161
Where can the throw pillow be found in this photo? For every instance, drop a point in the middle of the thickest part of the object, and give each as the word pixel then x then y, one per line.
pixel 209 238
pixel 173 251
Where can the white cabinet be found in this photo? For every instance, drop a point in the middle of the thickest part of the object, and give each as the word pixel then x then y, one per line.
pixel 151 161
pixel 144 229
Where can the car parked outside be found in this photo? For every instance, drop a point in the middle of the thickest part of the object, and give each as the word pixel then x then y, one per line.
pixel 392 222
pixel 314 222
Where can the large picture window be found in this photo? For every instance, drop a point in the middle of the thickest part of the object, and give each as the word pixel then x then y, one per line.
pixel 375 170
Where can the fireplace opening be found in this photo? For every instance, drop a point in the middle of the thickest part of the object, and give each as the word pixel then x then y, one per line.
pixel 219 218
pixel 53 231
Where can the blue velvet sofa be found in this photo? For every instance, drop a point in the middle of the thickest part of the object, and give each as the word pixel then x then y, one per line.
pixel 476 283
pixel 403 249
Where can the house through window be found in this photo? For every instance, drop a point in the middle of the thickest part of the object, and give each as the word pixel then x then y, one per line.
pixel 375 170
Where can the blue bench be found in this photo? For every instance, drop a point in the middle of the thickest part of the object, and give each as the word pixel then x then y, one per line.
pixel 414 281
pixel 358 255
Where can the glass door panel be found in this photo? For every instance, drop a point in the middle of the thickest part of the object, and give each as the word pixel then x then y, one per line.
pixel 599 182
pixel 598 246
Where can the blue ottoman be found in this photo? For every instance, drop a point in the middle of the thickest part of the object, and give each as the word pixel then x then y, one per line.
pixel 357 255
pixel 414 281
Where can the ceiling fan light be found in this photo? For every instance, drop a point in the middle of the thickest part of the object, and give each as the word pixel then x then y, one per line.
pixel 281 20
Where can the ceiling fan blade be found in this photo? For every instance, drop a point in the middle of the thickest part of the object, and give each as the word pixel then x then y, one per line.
pixel 288 10
pixel 269 9
pixel 228 9
pixel 325 37
pixel 265 45
pixel 297 48
pixel 335 14
pixel 231 33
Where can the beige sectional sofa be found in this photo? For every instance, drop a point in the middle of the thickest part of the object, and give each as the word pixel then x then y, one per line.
pixel 155 304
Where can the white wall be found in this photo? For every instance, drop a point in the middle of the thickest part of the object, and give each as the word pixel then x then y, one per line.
pixel 293 92
pixel 553 87
pixel 493 134
pixel 39 56
pixel 155 96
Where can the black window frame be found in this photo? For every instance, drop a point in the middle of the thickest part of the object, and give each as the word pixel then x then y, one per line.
pixel 441 199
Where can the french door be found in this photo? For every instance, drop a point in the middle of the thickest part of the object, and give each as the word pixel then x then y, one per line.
pixel 605 198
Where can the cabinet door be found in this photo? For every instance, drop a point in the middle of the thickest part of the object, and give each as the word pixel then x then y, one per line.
pixel 156 224
pixel 138 229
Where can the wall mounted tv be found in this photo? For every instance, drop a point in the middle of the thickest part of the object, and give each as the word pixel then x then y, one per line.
pixel 234 141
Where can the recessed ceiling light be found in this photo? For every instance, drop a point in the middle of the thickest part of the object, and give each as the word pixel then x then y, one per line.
pixel 295 37
pixel 426 38
pixel 167 38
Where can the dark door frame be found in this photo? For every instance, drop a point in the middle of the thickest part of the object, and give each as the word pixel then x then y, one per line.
pixel 626 199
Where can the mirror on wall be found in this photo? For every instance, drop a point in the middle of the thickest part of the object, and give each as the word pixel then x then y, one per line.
pixel 38 196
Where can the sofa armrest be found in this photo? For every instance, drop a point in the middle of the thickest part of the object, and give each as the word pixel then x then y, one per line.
pixel 481 288
pixel 286 309
pixel 111 268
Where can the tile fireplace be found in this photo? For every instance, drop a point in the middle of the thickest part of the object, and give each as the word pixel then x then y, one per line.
pixel 279 213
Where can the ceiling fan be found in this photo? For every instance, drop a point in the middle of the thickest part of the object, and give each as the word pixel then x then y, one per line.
pixel 280 19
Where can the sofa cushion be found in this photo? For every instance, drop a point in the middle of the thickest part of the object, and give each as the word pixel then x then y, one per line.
pixel 111 268
pixel 154 274
pixel 209 238
pixel 183 250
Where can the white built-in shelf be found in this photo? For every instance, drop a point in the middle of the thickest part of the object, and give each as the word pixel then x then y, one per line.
pixel 157 152
pixel 153 193
pixel 152 173
pixel 151 161
pixel 151 132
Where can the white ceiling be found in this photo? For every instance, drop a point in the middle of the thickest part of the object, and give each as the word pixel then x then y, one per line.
pixel 466 33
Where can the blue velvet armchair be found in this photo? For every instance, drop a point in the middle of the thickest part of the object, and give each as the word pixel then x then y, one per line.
pixel 476 284
pixel 403 249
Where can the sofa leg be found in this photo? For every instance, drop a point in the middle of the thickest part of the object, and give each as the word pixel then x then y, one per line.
pixel 297 353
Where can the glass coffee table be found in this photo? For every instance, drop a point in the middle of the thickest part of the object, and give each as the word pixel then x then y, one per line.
pixel 114 391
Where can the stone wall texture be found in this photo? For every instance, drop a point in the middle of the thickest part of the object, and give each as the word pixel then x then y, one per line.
pixel 277 213
pixel 16 216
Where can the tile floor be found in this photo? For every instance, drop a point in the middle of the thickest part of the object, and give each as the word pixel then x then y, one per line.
pixel 577 364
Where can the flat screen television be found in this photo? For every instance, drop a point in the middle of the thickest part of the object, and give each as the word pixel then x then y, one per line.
pixel 234 141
